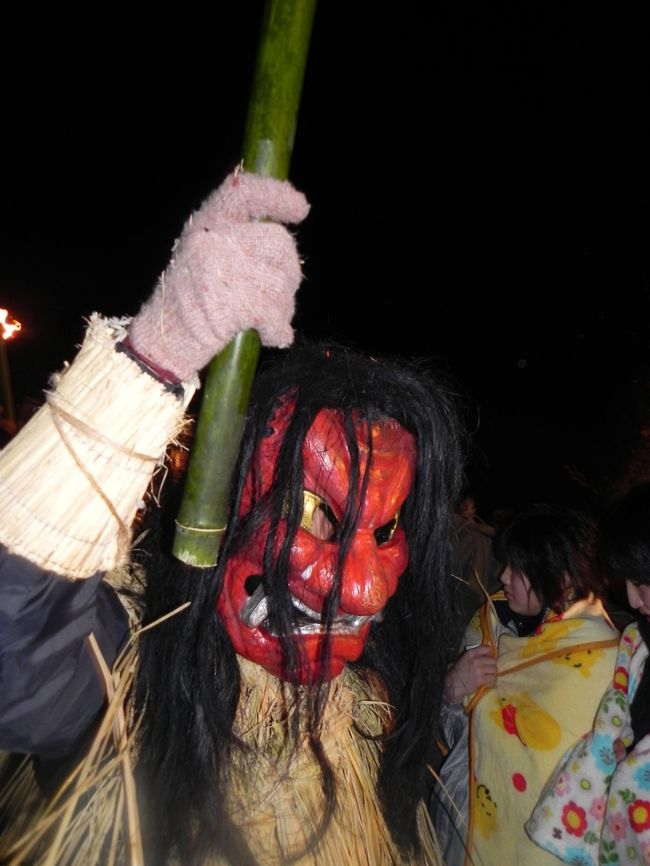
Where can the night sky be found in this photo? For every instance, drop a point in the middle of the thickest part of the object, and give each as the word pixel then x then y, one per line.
pixel 480 197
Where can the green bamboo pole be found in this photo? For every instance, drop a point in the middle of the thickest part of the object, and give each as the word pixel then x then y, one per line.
pixel 268 144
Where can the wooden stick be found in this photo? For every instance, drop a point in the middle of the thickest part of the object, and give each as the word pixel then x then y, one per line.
pixel 7 392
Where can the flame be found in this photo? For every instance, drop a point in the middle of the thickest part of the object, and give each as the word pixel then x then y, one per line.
pixel 8 328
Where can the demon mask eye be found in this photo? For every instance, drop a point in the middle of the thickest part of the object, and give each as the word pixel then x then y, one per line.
pixel 384 533
pixel 317 517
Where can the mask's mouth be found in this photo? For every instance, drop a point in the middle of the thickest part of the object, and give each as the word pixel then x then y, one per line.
pixel 255 614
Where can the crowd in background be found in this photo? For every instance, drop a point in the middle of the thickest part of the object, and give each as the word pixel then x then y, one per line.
pixel 547 705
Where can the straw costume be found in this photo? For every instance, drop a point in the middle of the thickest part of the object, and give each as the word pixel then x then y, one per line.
pixel 545 697
pixel 279 707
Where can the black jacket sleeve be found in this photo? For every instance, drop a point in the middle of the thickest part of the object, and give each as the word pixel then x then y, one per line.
pixel 50 689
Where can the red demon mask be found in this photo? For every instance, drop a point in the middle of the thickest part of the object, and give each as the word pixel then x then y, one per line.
pixel 377 555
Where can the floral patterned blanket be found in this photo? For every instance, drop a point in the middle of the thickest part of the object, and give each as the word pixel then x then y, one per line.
pixel 593 810
pixel 547 692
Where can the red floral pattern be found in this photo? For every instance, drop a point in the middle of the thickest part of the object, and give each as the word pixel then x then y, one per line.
pixel 621 680
pixel 574 819
pixel 639 815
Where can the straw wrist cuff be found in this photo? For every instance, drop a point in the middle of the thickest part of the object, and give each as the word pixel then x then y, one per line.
pixel 73 479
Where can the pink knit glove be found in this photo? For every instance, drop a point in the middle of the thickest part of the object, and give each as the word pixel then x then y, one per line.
pixel 229 272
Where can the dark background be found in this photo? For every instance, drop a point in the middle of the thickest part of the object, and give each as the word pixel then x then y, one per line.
pixel 479 185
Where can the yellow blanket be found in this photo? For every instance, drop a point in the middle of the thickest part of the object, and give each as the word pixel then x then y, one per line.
pixel 547 692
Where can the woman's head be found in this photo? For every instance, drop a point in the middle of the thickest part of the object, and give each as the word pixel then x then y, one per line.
pixel 546 554
pixel 624 548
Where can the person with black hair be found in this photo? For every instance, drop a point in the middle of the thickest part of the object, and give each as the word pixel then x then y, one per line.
pixel 596 805
pixel 280 706
pixel 536 655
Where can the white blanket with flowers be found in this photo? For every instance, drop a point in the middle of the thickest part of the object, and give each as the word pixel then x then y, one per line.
pixel 593 811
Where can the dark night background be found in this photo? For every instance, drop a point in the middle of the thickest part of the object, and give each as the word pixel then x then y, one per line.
pixel 479 184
